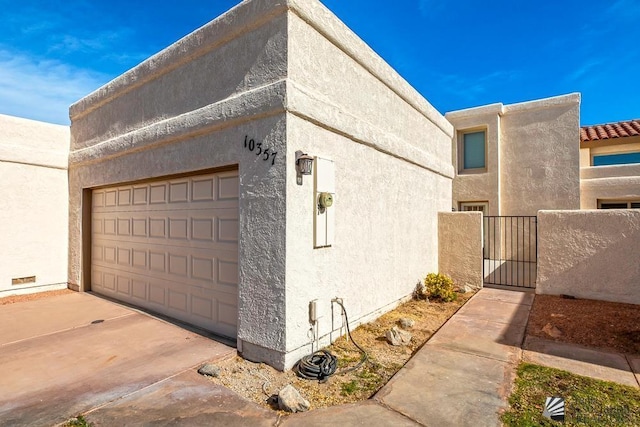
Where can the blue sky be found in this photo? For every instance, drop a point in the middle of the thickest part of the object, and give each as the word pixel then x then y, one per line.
pixel 457 54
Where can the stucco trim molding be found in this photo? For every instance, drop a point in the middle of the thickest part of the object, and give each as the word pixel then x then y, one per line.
pixel 34 157
pixel 314 107
pixel 258 103
pixel 609 172
pixel 538 104
pixel 484 110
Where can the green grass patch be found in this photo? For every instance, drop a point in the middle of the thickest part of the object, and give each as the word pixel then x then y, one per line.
pixel 588 402
pixel 350 387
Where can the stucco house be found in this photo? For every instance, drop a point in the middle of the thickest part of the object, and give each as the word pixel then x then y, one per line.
pixel 186 197
pixel 610 166
pixel 34 213
pixel 521 158
pixel 183 186
pixel 512 161
pixel 517 159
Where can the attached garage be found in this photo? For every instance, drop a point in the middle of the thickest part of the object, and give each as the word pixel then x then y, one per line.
pixel 159 220
pixel 170 246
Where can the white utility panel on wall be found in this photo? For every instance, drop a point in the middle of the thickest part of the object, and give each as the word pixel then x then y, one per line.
pixel 324 197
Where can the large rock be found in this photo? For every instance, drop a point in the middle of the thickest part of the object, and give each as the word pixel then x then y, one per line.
pixel 397 336
pixel 209 369
pixel 552 331
pixel 465 288
pixel 290 400
pixel 406 323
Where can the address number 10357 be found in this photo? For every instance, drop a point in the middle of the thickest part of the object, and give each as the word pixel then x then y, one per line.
pixel 265 154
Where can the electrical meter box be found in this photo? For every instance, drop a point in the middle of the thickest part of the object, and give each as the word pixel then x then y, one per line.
pixel 324 202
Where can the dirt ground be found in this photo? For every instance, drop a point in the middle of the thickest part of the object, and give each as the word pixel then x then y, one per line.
pixel 257 381
pixel 601 324
pixel 31 297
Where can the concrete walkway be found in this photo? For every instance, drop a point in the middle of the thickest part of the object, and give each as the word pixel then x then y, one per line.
pixel 461 377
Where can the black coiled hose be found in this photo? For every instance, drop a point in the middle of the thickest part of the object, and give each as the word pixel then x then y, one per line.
pixel 322 364
pixel 317 366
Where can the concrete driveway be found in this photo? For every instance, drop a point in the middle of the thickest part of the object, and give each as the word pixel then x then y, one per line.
pixel 65 355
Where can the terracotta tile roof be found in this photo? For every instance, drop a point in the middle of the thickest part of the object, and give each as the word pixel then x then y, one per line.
pixel 610 130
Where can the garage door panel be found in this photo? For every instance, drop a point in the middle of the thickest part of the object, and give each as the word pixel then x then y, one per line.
pixel 203 307
pixel 174 229
pixel 157 295
pixel 107 249
pixel 193 206
pixel 139 289
pixel 228 187
pixel 217 190
pixel 178 300
pixel 171 247
pixel 194 266
pixel 122 285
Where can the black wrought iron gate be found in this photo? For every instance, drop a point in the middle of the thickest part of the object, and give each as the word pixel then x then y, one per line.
pixel 510 251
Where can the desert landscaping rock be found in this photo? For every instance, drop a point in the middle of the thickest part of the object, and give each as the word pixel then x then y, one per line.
pixel 406 323
pixel 290 400
pixel 398 337
pixel 248 378
pixel 210 370
pixel 552 331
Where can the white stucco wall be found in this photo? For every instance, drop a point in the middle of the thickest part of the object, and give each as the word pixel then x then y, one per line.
pixel 460 247
pixel 590 254
pixel 33 220
pixel 391 151
pixel 540 155
pixel 288 74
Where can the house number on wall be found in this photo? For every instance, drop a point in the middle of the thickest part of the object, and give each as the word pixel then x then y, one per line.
pixel 264 153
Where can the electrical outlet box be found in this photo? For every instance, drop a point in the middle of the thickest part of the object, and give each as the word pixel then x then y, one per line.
pixel 313 311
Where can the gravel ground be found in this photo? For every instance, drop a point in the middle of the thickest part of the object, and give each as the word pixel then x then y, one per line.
pixel 257 381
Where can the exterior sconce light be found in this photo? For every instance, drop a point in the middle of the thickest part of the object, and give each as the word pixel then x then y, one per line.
pixel 304 165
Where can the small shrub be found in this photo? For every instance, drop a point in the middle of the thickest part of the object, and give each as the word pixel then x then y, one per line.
pixel 440 287
pixel 78 421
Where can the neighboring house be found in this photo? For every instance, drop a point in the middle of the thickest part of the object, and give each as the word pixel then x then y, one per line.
pixel 610 166
pixel 521 158
pixel 510 161
pixel 517 159
pixel 185 197
pixel 35 210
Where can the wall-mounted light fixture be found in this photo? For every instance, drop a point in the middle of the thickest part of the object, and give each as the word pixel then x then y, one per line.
pixel 304 165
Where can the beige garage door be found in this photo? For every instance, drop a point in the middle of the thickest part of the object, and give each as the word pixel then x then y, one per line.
pixel 171 247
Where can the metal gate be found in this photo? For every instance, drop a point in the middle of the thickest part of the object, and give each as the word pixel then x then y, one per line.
pixel 510 253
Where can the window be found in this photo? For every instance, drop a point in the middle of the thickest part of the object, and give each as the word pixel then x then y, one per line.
pixel 473 150
pixel 475 207
pixel 632 204
pixel 616 159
